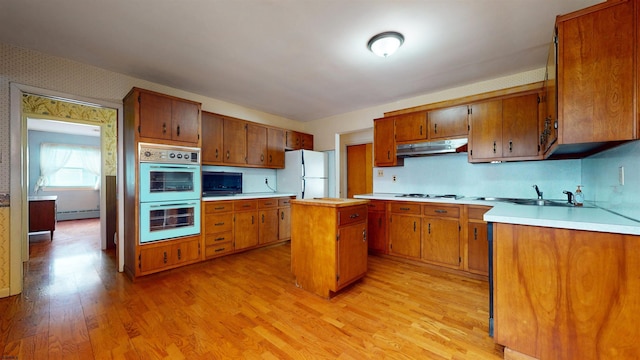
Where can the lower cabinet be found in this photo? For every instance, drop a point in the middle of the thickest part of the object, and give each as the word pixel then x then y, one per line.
pixel 377 228
pixel 405 223
pixel 245 224
pixel 328 243
pixel 166 255
pixel 441 235
pixel 477 240
pixel 217 228
pixel 284 219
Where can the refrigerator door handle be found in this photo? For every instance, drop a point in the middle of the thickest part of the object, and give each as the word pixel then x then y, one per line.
pixel 304 184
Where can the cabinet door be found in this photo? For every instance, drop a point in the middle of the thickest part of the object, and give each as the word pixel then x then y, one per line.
pixel 246 229
pixel 384 145
pixel 596 75
pixel 485 137
pixel 268 227
pixel 520 126
pixel 293 140
pixel 377 231
pixel 235 141
pixel 448 123
pixel 404 235
pixel 352 252
pixel 185 121
pixel 155 116
pixel 212 137
pixel 155 258
pixel 478 248
pixel 306 141
pixel 284 223
pixel 257 137
pixel 548 129
pixel 411 127
pixel 275 148
pixel 185 252
pixel 441 241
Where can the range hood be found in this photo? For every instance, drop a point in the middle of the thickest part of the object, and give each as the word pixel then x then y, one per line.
pixel 432 148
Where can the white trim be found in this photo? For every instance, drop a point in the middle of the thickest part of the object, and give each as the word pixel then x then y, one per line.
pixel 19 191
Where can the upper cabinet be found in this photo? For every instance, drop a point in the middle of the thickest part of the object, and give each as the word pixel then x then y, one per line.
pixel 275 147
pixel 257 137
pixel 165 119
pixel 448 123
pixel 384 143
pixel 234 141
pixel 296 140
pixel 411 127
pixel 504 129
pixel 212 138
pixel 597 71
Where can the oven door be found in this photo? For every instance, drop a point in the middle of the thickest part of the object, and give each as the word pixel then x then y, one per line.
pixel 169 219
pixel 163 182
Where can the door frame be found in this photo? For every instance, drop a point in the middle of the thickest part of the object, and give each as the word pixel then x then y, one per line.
pixel 19 187
pixel 342 141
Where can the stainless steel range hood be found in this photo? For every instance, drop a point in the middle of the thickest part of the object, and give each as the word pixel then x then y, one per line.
pixel 432 148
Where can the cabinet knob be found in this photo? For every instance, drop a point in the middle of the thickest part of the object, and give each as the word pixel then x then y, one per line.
pixel 282 215
pixel 164 128
pixel 178 130
pixel 228 154
pixel 435 128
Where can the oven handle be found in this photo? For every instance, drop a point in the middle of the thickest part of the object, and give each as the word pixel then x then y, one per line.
pixel 164 206
pixel 173 167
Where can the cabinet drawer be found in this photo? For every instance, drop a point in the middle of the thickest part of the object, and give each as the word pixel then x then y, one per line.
pixel 218 223
pixel 406 208
pixel 477 212
pixel 218 249
pixel 217 206
pixel 284 202
pixel 377 205
pixel 241 205
pixel 452 211
pixel 352 214
pixel 267 203
pixel 218 238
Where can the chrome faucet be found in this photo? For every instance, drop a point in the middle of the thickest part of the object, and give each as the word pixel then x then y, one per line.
pixel 538 192
pixel 569 197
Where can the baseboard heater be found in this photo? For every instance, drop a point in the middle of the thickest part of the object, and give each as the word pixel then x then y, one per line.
pixel 77 214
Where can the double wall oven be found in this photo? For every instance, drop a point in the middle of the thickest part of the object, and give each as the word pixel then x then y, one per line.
pixel 169 191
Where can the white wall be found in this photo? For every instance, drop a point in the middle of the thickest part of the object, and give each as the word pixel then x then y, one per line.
pixel 252 178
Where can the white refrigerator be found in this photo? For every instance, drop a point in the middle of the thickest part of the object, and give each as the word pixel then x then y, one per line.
pixel 305 174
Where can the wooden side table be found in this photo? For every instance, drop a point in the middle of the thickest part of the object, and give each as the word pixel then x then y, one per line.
pixel 42 213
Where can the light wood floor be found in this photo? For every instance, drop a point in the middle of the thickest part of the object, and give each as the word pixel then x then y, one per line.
pixel 76 306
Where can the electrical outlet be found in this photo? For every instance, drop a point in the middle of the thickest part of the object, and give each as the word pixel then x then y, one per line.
pixel 266 181
pixel 380 173
pixel 394 178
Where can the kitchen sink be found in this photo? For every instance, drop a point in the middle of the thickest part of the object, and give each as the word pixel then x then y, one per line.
pixel 535 202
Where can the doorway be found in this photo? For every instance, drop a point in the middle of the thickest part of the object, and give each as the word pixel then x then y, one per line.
pixel 27 101
pixel 359 169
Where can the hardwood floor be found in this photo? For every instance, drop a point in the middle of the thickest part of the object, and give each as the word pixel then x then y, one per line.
pixel 76 306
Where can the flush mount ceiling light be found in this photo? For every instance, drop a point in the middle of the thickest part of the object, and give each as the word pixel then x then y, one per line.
pixel 386 43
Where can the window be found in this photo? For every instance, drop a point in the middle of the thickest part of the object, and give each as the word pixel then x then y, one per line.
pixel 69 166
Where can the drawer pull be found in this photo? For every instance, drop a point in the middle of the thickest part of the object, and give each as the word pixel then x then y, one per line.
pixel 282 215
pixel 219 238
pixel 219 208
pixel 269 203
pixel 475 233
pixel 218 250
pixel 405 208
pixel 164 258
pixel 179 254
pixel 353 216
pixel 219 224
pixel 441 211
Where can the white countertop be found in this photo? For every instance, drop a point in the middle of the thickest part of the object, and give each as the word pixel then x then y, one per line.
pixel 246 196
pixel 576 218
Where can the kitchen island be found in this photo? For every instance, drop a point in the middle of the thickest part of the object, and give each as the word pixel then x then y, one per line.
pixel 328 243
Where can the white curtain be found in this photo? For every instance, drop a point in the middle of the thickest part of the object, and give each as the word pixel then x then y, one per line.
pixel 54 157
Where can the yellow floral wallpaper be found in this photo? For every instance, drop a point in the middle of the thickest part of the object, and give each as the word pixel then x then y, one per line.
pixel 4 246
pixel 54 109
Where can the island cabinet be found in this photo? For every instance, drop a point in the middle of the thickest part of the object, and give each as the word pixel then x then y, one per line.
pixel 163 118
pixel 377 228
pixel 597 74
pixel 505 129
pixel 477 245
pixel 441 235
pixel 405 224
pixel 218 228
pixel 328 243
pixel 411 127
pixel 566 294
pixel 448 123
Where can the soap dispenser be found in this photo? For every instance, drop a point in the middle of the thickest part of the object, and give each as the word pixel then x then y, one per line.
pixel 578 196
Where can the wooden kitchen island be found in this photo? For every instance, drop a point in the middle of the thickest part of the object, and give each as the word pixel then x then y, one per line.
pixel 328 243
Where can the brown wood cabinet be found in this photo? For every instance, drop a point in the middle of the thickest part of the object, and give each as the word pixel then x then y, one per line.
pixel 405 228
pixel 275 148
pixel 477 240
pixel 566 294
pixel 377 228
pixel 217 228
pixel 257 143
pixel 441 235
pixel 245 224
pixel 212 138
pixel 268 220
pixel 168 254
pixel 235 141
pixel 295 140
pixel 166 118
pixel 328 243
pixel 597 74
pixel 284 219
pixel 505 129
pixel 384 143
pixel 411 127
pixel 42 214
pixel 447 123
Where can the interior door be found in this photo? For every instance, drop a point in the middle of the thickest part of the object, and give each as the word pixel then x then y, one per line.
pixel 359 169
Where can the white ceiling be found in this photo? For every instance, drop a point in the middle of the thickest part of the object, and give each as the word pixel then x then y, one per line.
pixel 300 59
pixel 63 127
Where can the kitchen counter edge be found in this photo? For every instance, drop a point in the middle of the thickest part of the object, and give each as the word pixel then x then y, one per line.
pixel 247 196
pixel 574 218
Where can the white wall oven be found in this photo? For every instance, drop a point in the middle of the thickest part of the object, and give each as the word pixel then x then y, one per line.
pixel 169 191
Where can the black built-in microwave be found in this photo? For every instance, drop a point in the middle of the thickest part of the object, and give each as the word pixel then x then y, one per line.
pixel 217 183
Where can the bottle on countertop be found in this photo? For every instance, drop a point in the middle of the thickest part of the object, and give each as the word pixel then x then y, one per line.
pixel 579 196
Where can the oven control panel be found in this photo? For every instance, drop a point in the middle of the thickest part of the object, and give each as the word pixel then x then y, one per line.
pixel 168 154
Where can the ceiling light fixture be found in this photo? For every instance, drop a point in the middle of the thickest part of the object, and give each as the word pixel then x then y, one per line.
pixel 386 43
